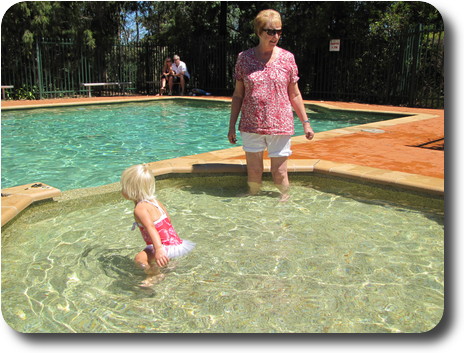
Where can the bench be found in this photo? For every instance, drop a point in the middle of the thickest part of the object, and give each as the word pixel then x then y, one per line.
pixel 96 84
pixel 3 91
pixel 154 83
pixel 175 86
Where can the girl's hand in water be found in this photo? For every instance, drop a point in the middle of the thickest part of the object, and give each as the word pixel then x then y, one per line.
pixel 161 258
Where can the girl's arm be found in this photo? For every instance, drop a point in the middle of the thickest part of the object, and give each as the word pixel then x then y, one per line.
pixel 296 100
pixel 237 100
pixel 142 213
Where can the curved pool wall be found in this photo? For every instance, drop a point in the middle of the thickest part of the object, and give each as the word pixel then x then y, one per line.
pixel 341 256
pixel 228 160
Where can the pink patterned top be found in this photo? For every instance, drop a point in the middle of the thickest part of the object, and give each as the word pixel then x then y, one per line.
pixel 266 107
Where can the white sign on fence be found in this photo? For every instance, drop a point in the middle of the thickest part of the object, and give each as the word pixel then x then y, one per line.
pixel 334 45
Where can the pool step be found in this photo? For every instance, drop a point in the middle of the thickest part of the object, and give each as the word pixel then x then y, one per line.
pixel 17 198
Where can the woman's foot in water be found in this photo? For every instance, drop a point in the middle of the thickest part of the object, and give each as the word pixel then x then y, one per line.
pixel 284 192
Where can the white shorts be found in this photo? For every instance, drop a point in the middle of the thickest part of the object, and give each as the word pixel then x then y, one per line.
pixel 277 145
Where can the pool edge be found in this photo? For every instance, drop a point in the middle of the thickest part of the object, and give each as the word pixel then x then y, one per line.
pixel 198 164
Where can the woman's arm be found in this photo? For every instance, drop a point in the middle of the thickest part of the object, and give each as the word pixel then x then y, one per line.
pixel 237 100
pixel 296 100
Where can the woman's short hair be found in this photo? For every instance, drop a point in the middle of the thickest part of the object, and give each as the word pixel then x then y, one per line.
pixel 138 183
pixel 263 18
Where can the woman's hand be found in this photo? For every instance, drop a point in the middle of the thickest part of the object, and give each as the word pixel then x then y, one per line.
pixel 232 136
pixel 309 133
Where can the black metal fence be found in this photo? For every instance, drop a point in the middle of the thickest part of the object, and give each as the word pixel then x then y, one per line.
pixel 406 69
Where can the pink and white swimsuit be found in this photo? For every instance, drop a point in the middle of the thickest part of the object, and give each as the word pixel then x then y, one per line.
pixel 173 245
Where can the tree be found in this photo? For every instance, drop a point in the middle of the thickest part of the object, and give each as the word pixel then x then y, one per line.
pixel 89 22
pixel 401 15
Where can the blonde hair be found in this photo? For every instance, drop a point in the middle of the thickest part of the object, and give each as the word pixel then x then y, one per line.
pixel 138 183
pixel 263 18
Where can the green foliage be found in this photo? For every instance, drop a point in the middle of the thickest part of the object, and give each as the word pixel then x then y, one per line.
pixel 303 21
pixel 26 92
pixel 87 22
pixel 401 15
pixel 201 27
pixel 95 23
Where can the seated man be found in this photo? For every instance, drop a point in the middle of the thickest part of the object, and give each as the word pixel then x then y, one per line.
pixel 180 74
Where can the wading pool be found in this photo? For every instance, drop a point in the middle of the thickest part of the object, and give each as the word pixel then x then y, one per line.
pixel 338 257
pixel 86 146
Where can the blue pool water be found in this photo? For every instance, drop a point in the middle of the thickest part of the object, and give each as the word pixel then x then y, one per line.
pixel 86 146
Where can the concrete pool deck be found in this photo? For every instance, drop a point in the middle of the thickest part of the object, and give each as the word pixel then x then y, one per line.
pixel 399 152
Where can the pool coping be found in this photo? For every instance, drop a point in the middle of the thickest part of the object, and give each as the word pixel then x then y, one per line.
pixel 105 100
pixel 229 160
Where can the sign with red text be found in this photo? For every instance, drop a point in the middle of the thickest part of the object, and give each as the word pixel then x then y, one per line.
pixel 334 45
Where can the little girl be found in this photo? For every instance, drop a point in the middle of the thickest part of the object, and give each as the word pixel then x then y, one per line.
pixel 163 243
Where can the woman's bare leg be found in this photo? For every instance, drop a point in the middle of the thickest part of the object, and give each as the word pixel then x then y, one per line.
pixel 280 176
pixel 255 170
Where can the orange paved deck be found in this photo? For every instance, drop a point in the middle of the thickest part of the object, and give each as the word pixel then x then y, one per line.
pixel 58 101
pixel 393 150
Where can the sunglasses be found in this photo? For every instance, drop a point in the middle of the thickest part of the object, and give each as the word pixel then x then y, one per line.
pixel 273 32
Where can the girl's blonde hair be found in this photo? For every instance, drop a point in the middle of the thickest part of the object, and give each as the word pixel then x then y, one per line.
pixel 263 18
pixel 138 183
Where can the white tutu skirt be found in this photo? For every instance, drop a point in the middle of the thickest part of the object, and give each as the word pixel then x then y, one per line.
pixel 175 251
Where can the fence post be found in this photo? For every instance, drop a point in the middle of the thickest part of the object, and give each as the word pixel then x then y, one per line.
pixel 39 69
pixel 414 66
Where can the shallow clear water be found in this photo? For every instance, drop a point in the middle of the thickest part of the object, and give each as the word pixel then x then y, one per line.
pixel 85 146
pixel 336 258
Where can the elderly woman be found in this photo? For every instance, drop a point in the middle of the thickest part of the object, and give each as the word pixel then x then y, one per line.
pixel 266 90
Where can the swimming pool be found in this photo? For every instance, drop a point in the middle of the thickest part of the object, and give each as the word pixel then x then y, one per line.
pixel 85 146
pixel 338 257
